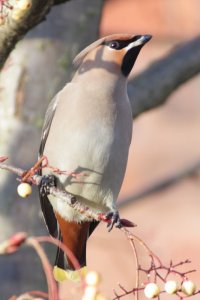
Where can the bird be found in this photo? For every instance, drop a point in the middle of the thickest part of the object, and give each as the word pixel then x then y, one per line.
pixel 88 130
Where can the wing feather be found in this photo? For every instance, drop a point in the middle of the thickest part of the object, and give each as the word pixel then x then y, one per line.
pixel 46 206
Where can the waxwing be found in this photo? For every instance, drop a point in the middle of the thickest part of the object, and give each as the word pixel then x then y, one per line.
pixel 87 130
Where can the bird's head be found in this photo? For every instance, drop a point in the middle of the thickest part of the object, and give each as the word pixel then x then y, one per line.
pixel 115 53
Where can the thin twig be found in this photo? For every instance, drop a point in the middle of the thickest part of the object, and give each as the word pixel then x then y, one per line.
pixel 130 235
pixel 156 265
pixel 12 169
pixel 133 246
pixel 125 293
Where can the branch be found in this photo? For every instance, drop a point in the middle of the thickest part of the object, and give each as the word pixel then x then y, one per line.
pixel 32 177
pixel 152 87
pixel 68 198
pixel 18 22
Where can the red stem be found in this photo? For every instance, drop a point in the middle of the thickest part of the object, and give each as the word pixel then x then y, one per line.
pixel 68 252
pixel 38 294
pixel 52 287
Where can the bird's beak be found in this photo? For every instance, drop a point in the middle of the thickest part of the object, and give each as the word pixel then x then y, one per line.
pixel 139 40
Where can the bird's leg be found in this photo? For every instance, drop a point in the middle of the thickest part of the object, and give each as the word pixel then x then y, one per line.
pixel 46 183
pixel 114 219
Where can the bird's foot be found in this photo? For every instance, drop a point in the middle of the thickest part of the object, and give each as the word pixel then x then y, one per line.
pixel 47 182
pixel 113 220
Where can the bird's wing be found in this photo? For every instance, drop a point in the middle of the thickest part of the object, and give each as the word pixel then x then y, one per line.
pixel 47 123
pixel 46 206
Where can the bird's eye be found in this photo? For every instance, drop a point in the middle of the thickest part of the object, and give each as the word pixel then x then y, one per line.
pixel 114 45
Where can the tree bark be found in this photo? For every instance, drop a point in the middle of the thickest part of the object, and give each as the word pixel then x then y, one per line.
pixel 20 21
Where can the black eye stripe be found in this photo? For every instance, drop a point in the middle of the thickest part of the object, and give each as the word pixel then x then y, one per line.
pixel 120 44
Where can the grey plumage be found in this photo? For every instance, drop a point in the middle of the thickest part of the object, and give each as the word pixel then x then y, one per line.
pixel 88 129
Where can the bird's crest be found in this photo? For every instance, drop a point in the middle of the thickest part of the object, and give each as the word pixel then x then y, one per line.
pixel 79 58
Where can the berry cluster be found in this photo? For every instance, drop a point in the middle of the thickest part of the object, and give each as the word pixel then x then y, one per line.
pixel 91 292
pixel 161 278
pixel 182 287
pixel 153 290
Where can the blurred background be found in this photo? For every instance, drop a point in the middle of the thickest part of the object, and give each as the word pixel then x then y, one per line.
pixel 165 140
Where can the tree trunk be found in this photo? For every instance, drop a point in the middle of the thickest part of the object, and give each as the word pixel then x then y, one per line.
pixel 35 71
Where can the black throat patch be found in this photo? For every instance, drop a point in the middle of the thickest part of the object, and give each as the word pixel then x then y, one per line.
pixel 129 60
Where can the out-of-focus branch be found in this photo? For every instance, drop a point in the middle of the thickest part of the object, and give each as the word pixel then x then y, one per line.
pixel 152 87
pixel 52 288
pixel 19 21
pixel 56 2
pixel 162 184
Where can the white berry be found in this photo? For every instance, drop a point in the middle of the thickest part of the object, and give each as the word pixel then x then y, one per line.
pixel 92 278
pixel 171 287
pixel 24 189
pixel 89 293
pixel 151 290
pixel 188 287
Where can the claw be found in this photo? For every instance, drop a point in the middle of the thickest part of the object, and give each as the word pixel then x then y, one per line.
pixel 46 183
pixel 114 220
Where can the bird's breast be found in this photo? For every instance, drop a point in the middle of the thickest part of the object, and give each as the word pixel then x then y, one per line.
pixel 92 144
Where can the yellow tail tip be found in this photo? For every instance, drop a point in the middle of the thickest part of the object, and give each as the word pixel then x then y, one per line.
pixel 61 275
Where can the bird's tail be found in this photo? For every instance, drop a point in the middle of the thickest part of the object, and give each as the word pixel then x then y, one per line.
pixel 62 275
pixel 63 268
pixel 74 236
